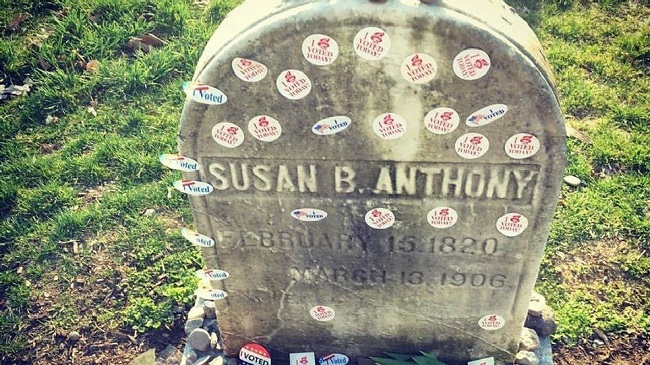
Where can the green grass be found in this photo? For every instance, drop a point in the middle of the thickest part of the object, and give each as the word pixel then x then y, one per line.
pixel 70 177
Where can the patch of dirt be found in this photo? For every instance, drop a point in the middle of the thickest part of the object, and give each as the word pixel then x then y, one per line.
pixel 620 351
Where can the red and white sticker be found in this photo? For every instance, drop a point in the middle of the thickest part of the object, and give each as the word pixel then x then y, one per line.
pixel 485 361
pixel 249 70
pixel 522 145
pixel 331 125
pixel 302 358
pixel 320 50
pixel 193 187
pixel 254 354
pixel 227 134
pixel 197 238
pixel 204 94
pixel 210 294
pixel 264 128
pixel 372 43
pixel 486 115
pixel 472 145
pixel 333 359
pixel 512 224
pixel 380 218
pixel 322 313
pixel 389 126
pixel 442 120
pixel 211 274
pixel 492 322
pixel 442 217
pixel 293 84
pixel 471 64
pixel 309 214
pixel 178 162
pixel 419 68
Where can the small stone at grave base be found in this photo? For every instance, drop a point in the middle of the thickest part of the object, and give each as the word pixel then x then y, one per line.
pixel 526 358
pixel 217 361
pixel 210 310
pixel 535 308
pixel 210 325
pixel 202 361
pixel 147 358
pixel 199 339
pixel 190 356
pixel 572 180
pixel 195 313
pixel 73 336
pixel 529 340
pixel 544 325
pixel 192 324
pixel 536 297
pixel 214 341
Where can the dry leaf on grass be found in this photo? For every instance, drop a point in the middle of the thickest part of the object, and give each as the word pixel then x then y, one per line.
pixel 15 22
pixel 92 66
pixel 571 132
pixel 44 64
pixel 152 40
pixel 145 43
pixel 92 111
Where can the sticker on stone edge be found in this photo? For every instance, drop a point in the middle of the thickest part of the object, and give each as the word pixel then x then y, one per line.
pixel 309 214
pixel 293 84
pixel 442 217
pixel 471 64
pixel 249 70
pixel 485 361
pixel 371 43
pixel 331 125
pixel 211 274
pixel 333 359
pixel 472 145
pixel 210 294
pixel 512 224
pixel 322 313
pixel 486 115
pixel 320 49
pixel 302 358
pixel 389 126
pixel 227 134
pixel 491 322
pixel 193 187
pixel 197 238
pixel 442 120
pixel 380 218
pixel 264 128
pixel 178 162
pixel 522 145
pixel 419 68
pixel 254 354
pixel 204 94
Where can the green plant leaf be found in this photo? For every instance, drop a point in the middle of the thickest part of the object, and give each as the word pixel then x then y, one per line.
pixel 429 359
pixel 400 357
pixel 386 361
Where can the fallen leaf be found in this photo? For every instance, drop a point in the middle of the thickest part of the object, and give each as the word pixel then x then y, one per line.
pixel 92 111
pixel 15 22
pixel 151 40
pixel 47 148
pixel 95 17
pixel 44 64
pixel 136 45
pixel 571 132
pixel 92 66
pixel 51 119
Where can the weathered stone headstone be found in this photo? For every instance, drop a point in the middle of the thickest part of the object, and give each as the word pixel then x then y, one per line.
pixel 384 175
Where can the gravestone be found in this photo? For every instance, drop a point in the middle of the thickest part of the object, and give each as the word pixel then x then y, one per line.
pixel 382 176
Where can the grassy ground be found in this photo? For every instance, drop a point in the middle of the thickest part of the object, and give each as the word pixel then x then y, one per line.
pixel 89 235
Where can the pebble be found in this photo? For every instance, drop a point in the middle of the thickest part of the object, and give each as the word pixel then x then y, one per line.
pixel 572 180
pixel 73 336
pixel 217 361
pixel 529 340
pixel 214 341
pixel 536 297
pixel 535 308
pixel 601 335
pixel 196 313
pixel 210 309
pixel 204 360
pixel 199 339
pixel 544 325
pixel 526 358
pixel 192 324
pixel 190 356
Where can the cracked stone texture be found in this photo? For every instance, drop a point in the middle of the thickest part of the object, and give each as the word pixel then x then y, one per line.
pixel 410 287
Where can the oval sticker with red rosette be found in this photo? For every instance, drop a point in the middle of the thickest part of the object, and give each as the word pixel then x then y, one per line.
pixel 492 322
pixel 293 84
pixel 264 128
pixel 389 126
pixel 442 217
pixel 522 145
pixel 471 64
pixel 249 70
pixel 380 218
pixel 442 120
pixel 254 354
pixel 419 68
pixel 512 224
pixel 197 238
pixel 372 43
pixel 322 313
pixel 227 134
pixel 320 50
pixel 472 145
pixel 210 294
